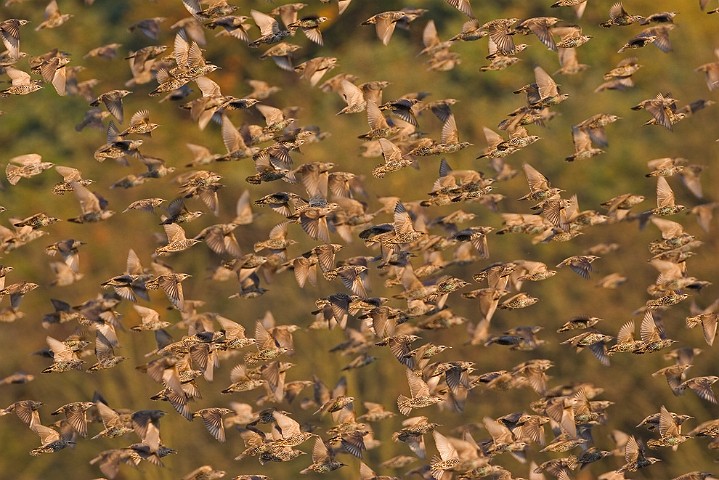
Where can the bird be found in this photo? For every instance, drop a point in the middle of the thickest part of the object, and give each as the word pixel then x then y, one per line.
pixel 282 54
pixel 500 34
pixel 659 36
pixel 25 166
pixel 665 199
pixel 176 240
pixel 701 386
pixel 569 62
pixel 571 37
pixel 448 456
pixel 10 34
pixel 323 460
pixel 652 335
pixel 54 71
pixel 53 17
pixel 212 418
pixel 394 159
pixel 26 410
pixel 660 17
pixel 635 457
pixel 619 17
pixel 51 440
pixel 205 472
pixel 353 96
pixel 708 321
pixel 539 26
pixel 270 31
pixel 150 319
pixel 64 358
pixel 669 430
pixel 171 285
pixel 583 147
pixel 108 51
pixel 139 124
pixel 17 378
pixel 113 102
pixel 105 343
pixel 711 73
pixel 580 264
pixel 314 69
pixel 131 284
pixel 232 25
pixel 385 23
pixel 76 415
pixel 310 26
pixel 92 206
pixel 150 27
pixel 420 395
pixel 22 83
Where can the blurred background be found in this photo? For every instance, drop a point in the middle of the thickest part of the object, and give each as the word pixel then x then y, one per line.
pixel 44 123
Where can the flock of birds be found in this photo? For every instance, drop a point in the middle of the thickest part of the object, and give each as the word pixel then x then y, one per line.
pixel 406 244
